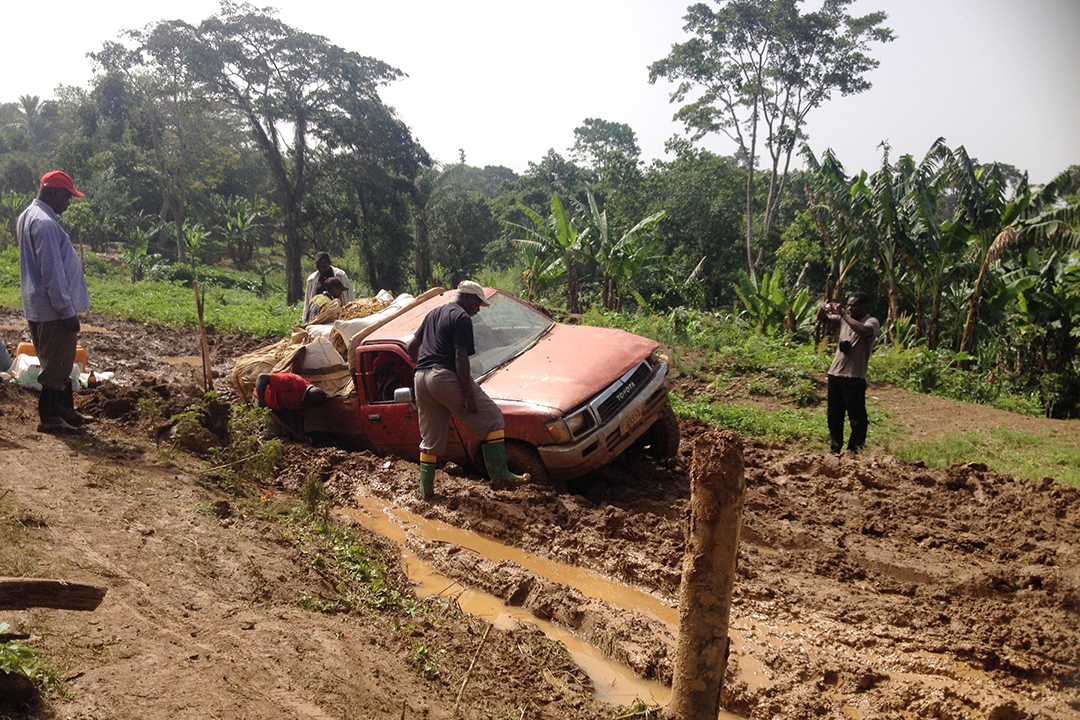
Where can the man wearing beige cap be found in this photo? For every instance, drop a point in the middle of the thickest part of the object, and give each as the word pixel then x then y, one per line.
pixel 53 295
pixel 445 388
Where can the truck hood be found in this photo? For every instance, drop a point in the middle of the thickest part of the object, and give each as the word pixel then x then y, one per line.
pixel 570 364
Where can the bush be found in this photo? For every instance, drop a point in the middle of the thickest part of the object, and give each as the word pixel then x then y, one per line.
pixel 205 274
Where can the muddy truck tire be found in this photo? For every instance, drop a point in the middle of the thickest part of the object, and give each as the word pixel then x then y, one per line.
pixel 662 440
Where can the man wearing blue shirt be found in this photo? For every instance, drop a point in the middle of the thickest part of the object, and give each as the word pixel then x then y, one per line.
pixel 53 295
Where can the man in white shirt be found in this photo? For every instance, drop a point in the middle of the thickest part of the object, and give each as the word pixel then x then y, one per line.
pixel 323 271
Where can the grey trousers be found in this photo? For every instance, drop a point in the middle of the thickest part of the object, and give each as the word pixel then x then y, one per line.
pixel 439 399
pixel 55 348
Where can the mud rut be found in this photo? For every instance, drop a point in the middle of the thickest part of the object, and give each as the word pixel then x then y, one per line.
pixel 866 587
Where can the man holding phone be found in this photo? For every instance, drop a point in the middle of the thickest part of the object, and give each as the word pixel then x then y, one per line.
pixel 847 375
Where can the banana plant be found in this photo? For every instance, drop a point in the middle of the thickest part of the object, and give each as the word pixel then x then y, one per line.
pixel 558 241
pixel 766 306
pixel 620 262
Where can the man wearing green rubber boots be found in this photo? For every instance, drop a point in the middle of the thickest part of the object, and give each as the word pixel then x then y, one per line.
pixel 445 389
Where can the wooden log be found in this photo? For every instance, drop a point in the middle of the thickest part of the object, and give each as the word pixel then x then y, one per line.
pixel 717 486
pixel 26 593
pixel 208 375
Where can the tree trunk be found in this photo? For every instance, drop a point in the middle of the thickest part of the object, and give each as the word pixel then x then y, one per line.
pixel 572 305
pixel 933 326
pixel 422 262
pixel 294 281
pixel 717 486
pixel 894 312
pixel 750 221
pixel 971 323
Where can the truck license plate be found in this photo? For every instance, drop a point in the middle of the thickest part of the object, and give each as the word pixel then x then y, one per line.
pixel 629 423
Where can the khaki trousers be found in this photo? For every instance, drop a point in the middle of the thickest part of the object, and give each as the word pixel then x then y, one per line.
pixel 440 399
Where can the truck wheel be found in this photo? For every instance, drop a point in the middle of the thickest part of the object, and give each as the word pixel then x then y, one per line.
pixel 523 458
pixel 663 437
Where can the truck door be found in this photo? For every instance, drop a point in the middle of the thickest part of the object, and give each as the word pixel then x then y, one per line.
pixel 391 427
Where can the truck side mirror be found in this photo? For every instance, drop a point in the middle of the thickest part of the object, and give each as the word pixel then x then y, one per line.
pixel 403 395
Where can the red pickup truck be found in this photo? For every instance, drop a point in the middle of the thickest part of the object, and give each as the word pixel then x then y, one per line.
pixel 574 397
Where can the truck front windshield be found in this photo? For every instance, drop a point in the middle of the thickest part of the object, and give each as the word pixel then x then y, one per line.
pixel 503 331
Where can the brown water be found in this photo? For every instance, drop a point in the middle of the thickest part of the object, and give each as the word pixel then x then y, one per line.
pixel 190 360
pixel 613 682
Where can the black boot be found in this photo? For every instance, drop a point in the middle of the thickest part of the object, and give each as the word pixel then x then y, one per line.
pixel 67 408
pixel 49 404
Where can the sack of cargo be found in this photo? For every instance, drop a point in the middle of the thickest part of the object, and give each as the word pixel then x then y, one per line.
pixel 330 312
pixel 272 358
pixel 319 354
pixel 348 328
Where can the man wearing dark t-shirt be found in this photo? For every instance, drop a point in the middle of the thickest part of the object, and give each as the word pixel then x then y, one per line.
pixel 445 388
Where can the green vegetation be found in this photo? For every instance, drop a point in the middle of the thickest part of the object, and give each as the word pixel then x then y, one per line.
pixel 1020 454
pixel 18 657
pixel 249 455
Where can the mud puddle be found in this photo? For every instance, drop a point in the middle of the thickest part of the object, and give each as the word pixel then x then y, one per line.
pixel 188 360
pixel 613 682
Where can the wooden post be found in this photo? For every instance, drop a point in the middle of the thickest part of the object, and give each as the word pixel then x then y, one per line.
pixel 208 376
pixel 25 593
pixel 717 487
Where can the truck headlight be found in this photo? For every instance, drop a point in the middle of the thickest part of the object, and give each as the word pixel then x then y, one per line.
pixel 559 431
pixel 566 429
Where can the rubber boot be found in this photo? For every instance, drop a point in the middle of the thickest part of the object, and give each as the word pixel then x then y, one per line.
pixel 49 404
pixel 495 459
pixel 67 408
pixel 427 475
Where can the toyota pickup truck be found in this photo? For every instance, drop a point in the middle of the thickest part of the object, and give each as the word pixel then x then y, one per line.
pixel 573 397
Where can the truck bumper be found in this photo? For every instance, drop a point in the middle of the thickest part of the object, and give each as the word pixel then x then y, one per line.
pixel 613 437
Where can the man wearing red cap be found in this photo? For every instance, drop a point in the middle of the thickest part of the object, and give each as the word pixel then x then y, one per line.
pixel 53 295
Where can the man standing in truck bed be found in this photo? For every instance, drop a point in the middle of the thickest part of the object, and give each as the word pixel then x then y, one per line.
pixel 445 388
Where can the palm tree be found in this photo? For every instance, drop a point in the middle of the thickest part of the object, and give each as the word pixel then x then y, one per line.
pixel 35 125
pixel 429 185
pixel 896 206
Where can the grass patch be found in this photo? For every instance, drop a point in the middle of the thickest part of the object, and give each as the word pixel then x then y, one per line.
pixel 229 307
pixel 226 310
pixel 803 428
pixel 1021 454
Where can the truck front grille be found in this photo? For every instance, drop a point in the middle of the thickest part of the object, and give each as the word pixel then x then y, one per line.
pixel 623 391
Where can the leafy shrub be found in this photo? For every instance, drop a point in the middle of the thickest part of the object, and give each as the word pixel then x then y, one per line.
pixel 249 456
pixel 936 372
pixel 205 274
pixel 19 658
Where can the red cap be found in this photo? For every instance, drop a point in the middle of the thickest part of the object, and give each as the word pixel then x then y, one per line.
pixel 60 179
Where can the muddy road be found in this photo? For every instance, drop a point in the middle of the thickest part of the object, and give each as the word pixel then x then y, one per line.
pixel 866 587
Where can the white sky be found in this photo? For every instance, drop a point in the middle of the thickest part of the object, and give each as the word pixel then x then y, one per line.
pixel 506 81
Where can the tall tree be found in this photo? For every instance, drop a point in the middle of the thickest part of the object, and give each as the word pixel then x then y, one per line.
pixel 171 119
pixel 757 68
pixel 34 120
pixel 284 83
